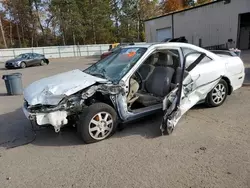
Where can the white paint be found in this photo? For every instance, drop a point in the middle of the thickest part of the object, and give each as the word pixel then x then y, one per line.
pixel 197 84
pixel 26 113
pixel 52 90
pixel 152 25
pixel 214 23
pixel 201 79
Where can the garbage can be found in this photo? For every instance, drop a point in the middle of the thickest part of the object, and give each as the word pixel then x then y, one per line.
pixel 13 83
pixel 236 51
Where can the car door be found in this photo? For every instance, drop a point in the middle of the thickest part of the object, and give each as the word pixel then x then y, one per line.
pixel 29 59
pixel 37 59
pixel 200 74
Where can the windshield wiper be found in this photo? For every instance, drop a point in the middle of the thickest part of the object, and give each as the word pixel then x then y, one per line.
pixel 98 75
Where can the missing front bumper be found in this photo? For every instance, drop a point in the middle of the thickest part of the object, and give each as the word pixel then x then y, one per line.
pixel 57 119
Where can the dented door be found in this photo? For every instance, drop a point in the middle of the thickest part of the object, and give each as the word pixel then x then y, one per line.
pixel 200 79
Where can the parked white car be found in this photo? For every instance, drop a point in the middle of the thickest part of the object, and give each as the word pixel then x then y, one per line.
pixel 134 82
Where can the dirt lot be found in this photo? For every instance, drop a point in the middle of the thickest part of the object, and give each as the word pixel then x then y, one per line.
pixel 209 148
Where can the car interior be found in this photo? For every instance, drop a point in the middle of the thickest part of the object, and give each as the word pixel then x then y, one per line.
pixel 154 79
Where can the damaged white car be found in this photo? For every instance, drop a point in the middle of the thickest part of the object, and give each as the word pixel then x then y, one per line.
pixel 134 82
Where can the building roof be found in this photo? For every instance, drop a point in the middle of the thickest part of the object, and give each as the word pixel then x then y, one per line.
pixel 183 10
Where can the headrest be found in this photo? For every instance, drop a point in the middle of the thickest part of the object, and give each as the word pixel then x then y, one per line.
pixel 162 59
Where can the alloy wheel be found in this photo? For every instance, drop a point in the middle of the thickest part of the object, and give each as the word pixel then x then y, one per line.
pixel 101 125
pixel 218 94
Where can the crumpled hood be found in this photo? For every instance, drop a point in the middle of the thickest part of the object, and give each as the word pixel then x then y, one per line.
pixel 51 90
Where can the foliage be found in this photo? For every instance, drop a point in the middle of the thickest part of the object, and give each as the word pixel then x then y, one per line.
pixel 172 5
pixel 67 22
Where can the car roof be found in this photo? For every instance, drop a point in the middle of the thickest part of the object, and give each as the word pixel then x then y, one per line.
pixel 172 44
pixel 163 44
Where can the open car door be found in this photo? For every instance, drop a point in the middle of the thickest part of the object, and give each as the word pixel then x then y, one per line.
pixel 197 80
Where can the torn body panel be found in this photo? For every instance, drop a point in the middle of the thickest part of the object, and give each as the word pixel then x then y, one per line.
pixel 57 115
pixel 199 81
pixel 191 94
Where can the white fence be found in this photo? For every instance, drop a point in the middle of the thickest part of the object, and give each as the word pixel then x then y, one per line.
pixel 57 51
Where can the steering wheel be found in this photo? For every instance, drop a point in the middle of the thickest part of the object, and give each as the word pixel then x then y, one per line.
pixel 138 78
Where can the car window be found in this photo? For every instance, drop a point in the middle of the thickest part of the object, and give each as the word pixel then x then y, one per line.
pixel 193 57
pixel 30 55
pixel 116 65
pixel 36 55
pixel 22 56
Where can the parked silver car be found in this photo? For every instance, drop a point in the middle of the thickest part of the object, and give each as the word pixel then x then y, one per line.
pixel 26 60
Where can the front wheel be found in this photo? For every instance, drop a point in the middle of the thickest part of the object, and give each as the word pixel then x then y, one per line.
pixel 97 122
pixel 218 95
pixel 23 65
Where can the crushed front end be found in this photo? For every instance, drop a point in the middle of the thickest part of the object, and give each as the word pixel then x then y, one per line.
pixel 55 115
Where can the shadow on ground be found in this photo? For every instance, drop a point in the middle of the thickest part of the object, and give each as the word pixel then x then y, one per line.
pixel 3 94
pixel 247 76
pixel 16 130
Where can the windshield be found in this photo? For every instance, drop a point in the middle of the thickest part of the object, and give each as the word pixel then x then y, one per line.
pixel 116 65
pixel 21 56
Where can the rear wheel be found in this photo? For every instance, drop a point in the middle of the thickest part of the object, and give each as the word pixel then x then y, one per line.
pixel 23 65
pixel 97 122
pixel 218 95
pixel 43 62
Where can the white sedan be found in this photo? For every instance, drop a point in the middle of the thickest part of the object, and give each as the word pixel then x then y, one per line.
pixel 132 83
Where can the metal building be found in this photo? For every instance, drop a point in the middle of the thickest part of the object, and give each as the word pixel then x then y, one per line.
pixel 220 23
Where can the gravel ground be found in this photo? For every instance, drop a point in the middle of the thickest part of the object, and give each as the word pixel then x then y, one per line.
pixel 209 148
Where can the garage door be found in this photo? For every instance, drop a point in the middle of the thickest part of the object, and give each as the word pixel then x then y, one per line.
pixel 164 33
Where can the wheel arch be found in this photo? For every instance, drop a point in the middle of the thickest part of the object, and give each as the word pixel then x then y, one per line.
pixel 100 97
pixel 24 63
pixel 230 88
pixel 46 60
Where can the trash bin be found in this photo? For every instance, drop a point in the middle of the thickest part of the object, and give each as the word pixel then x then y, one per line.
pixel 13 83
pixel 236 51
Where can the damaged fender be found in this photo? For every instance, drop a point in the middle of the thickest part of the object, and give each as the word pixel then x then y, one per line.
pixel 174 112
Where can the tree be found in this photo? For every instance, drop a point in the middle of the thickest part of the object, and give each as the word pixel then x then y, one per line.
pixel 189 3
pixel 2 32
pixel 203 1
pixel 57 22
pixel 172 5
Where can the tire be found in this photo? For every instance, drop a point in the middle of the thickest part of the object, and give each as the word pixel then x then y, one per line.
pixel 43 62
pixel 92 126
pixel 215 99
pixel 23 65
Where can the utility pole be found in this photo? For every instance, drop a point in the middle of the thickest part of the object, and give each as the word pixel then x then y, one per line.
pixel 1 26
